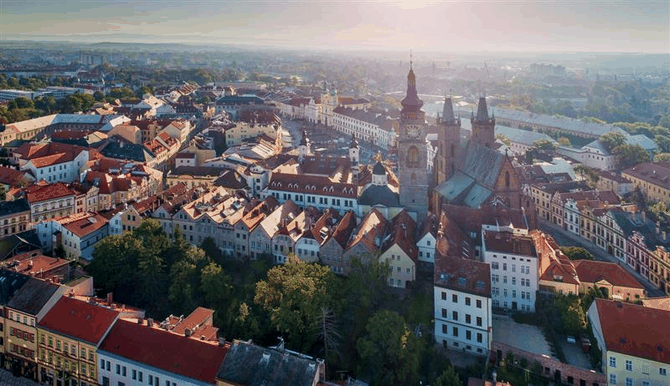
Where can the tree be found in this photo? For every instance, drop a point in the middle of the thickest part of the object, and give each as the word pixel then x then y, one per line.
pixel 545 144
pixel 564 141
pixel 612 140
pixel 504 139
pixel 293 295
pixel 215 286
pixel 571 313
pixel 577 253
pixel 3 193
pixel 630 155
pixel 662 157
pixel 449 377
pixel 389 351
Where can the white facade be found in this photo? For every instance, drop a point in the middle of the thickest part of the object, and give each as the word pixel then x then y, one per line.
pixel 307 249
pixel 426 247
pixel 514 277
pixel 65 171
pixel 572 216
pixel 462 321
pixel 319 201
pixel 114 370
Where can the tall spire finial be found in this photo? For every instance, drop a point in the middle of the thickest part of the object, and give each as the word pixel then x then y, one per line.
pixel 410 58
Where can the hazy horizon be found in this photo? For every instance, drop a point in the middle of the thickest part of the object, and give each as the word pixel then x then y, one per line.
pixel 380 25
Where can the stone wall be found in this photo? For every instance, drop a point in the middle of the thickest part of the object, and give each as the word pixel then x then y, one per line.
pixel 553 368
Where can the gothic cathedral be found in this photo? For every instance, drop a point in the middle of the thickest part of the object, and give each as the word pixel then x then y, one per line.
pixel 413 152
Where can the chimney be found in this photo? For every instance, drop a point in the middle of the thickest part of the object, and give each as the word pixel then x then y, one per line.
pixel 150 322
pixel 110 298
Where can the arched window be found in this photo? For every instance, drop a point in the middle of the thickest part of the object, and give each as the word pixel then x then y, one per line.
pixel 413 157
pixel 507 179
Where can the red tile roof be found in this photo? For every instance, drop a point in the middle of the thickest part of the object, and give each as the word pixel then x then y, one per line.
pixel 463 275
pixel 52 159
pixel 165 350
pixel 82 225
pixel 10 176
pixel 635 330
pixel 37 193
pixel 592 271
pixel 78 319
pixel 371 231
pixel 403 231
pixel 506 242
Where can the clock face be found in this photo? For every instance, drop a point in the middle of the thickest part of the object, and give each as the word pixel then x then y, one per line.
pixel 413 132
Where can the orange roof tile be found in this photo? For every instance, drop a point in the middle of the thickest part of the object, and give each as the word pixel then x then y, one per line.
pixel 80 320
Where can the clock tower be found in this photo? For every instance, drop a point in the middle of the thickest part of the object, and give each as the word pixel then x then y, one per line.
pixel 413 152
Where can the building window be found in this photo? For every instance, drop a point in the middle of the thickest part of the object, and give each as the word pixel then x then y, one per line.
pixel 468 335
pixel 479 303
pixel 455 331
pixel 479 321
pixel 612 362
pixel 444 313
pixel 629 365
pixel 468 319
pixel 118 369
pixel 454 298
pixel 662 371
pixel 629 381
pixel 467 301
pixel 444 296
pixel 479 337
pixel 454 315
pixel 612 379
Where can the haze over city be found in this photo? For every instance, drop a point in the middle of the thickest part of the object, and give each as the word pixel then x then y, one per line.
pixel 452 26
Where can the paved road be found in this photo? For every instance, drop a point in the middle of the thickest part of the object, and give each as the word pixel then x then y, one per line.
pixel 563 237
pixel 8 379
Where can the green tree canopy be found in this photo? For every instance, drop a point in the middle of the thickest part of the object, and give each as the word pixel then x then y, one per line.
pixel 577 253
pixel 294 294
pixel 389 351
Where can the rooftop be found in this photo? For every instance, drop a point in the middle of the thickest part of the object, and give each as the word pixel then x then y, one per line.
pixel 162 349
pixel 78 319
pixel 463 275
pixel 251 365
pixel 635 330
pixel 33 296
pixel 592 271
pixel 507 242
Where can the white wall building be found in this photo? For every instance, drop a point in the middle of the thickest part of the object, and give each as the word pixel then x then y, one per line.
pixel 514 267
pixel 462 299
pixel 64 167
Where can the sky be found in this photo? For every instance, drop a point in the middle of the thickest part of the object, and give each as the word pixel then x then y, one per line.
pixel 424 25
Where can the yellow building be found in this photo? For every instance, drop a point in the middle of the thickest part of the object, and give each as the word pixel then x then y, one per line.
pixel 659 268
pixel 14 217
pixel 633 340
pixel 69 336
pixel 242 131
pixel 26 308
pixel 653 179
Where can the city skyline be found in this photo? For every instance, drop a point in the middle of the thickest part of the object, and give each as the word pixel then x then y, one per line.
pixel 429 26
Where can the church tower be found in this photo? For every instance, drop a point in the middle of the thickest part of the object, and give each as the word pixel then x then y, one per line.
pixel 354 158
pixel 413 152
pixel 483 126
pixel 449 137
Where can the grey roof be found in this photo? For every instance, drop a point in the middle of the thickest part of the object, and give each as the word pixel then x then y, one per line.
pixel 125 150
pixel 33 296
pixel 10 283
pixel 251 365
pixel 477 196
pixel 452 188
pixel 643 141
pixel 597 144
pixel 18 243
pixel 482 164
pixel 563 123
pixel 16 206
pixel 379 169
pixel 524 137
pixel 379 195
pixel 634 222
pixel 231 179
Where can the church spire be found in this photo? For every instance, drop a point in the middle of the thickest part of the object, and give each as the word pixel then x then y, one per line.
pixel 482 111
pixel 411 101
pixel 447 110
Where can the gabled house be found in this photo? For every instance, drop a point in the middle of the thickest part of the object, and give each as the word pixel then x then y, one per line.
pixel 261 237
pixel 367 239
pixel 426 239
pixel 283 242
pixel 244 247
pixel 336 242
pixel 400 251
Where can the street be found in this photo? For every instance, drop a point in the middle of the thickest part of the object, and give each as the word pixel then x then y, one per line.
pixel 564 238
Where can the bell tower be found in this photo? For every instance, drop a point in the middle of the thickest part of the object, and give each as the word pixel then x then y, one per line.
pixel 483 126
pixel 413 152
pixel 449 137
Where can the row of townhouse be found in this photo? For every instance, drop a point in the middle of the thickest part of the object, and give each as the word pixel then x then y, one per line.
pixel 370 126
pixel 620 230
pixel 256 228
